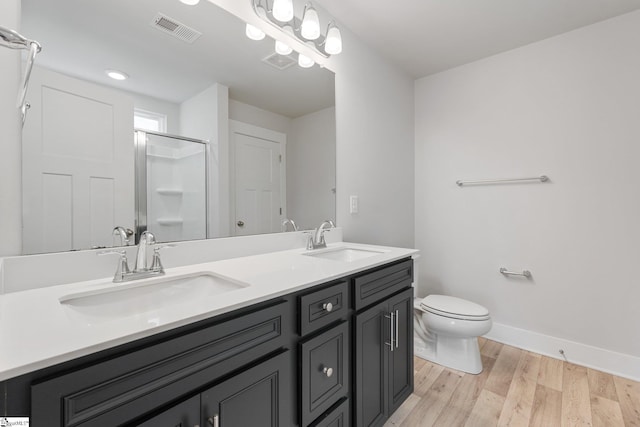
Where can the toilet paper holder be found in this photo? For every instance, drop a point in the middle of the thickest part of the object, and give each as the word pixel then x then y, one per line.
pixel 525 273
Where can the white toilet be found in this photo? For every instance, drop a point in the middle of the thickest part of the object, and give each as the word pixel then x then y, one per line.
pixel 447 331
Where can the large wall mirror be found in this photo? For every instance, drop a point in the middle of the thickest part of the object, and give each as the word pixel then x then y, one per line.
pixel 211 135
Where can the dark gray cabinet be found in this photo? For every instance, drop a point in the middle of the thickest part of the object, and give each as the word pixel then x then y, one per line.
pixel 183 414
pixel 383 357
pixel 325 374
pixel 334 355
pixel 259 396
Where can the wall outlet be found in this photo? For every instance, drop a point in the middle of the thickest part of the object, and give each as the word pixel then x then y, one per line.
pixel 353 204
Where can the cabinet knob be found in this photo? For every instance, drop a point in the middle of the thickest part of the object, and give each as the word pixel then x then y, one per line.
pixel 327 306
pixel 240 223
pixel 327 371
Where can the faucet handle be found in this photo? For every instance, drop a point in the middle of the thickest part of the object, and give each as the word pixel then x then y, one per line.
pixel 123 264
pixel 156 263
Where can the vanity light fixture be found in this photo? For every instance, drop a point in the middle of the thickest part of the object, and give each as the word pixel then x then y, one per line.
pixel 283 48
pixel 253 32
pixel 310 27
pixel 190 2
pixel 333 42
pixel 304 27
pixel 304 61
pixel 116 75
pixel 283 10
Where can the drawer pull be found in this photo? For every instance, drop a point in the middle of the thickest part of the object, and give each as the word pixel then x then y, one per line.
pixel 327 306
pixel 214 421
pixel 327 371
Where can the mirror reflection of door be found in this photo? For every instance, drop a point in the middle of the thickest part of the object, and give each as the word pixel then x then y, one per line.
pixel 77 171
pixel 258 179
pixel 173 197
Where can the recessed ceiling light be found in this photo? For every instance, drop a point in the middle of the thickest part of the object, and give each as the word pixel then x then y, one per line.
pixel 190 2
pixel 117 75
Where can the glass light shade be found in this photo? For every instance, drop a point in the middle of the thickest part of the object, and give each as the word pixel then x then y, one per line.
pixel 310 27
pixel 283 10
pixel 190 2
pixel 333 42
pixel 305 61
pixel 254 33
pixel 283 48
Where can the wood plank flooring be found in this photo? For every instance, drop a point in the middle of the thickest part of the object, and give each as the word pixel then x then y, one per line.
pixel 518 389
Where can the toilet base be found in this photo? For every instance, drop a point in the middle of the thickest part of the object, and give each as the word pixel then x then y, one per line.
pixel 461 354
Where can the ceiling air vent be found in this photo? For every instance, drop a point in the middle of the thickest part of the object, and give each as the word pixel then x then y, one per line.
pixel 175 28
pixel 278 61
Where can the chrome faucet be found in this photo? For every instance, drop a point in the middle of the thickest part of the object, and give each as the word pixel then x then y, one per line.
pixel 289 221
pixel 124 235
pixel 317 241
pixel 141 271
pixel 146 239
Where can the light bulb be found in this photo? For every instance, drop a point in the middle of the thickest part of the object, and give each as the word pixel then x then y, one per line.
pixel 310 27
pixel 116 75
pixel 333 42
pixel 254 33
pixel 283 48
pixel 283 10
pixel 305 61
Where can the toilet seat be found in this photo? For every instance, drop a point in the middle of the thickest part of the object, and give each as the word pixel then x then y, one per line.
pixel 455 308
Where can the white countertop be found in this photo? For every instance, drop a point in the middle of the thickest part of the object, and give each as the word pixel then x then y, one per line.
pixel 37 331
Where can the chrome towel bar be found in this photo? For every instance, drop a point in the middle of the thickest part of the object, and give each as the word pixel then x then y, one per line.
pixel 525 273
pixel 542 178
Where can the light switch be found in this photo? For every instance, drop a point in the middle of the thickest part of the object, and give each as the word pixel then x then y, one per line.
pixel 353 204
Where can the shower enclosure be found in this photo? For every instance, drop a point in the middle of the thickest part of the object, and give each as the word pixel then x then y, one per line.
pixel 171 186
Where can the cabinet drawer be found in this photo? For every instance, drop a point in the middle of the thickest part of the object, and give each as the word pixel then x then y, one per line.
pixel 325 371
pixel 122 388
pixel 335 417
pixel 320 308
pixel 378 284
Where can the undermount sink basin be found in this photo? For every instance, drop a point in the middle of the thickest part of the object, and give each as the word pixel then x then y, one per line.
pixel 344 254
pixel 145 295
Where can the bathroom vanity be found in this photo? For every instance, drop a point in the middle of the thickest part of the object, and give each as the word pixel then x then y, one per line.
pixel 311 338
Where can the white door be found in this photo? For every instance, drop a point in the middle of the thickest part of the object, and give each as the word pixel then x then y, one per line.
pixel 258 179
pixel 78 165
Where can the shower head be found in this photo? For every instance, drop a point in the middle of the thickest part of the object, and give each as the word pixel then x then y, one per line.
pixel 13 40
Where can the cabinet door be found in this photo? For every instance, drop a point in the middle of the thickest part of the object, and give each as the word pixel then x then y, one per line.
pixel 371 332
pixel 401 358
pixel 258 396
pixel 184 414
pixel 324 371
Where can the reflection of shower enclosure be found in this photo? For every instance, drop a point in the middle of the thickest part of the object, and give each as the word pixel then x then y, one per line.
pixel 171 186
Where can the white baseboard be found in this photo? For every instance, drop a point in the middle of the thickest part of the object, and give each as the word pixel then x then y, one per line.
pixel 622 365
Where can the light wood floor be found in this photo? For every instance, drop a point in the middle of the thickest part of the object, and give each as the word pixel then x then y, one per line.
pixel 518 388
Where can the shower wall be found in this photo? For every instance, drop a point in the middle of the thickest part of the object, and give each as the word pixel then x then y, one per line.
pixel 176 189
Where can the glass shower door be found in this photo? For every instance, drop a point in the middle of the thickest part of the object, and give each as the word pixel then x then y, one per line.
pixel 171 196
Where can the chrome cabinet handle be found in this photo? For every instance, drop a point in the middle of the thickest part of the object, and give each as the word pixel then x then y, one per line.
pixel 327 371
pixel 327 306
pixel 392 330
pixel 214 421
pixel 397 335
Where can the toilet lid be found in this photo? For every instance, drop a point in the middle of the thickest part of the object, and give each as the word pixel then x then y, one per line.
pixel 454 307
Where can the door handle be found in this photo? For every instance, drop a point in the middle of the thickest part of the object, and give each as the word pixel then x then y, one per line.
pixel 392 329
pixel 397 335
pixel 240 223
pixel 214 421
